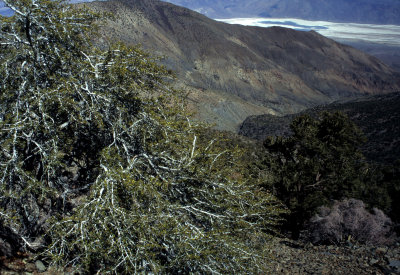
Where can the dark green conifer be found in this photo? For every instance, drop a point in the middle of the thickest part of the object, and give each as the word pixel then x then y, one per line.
pixel 320 162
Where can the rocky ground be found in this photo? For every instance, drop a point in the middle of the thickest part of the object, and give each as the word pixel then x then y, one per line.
pixel 289 257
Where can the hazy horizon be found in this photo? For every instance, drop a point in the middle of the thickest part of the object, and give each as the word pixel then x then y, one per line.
pixel 371 33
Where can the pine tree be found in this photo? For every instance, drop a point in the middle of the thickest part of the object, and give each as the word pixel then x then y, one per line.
pixel 99 158
pixel 319 163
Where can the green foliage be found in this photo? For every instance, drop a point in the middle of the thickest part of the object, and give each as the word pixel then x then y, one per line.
pixel 320 162
pixel 377 116
pixel 97 141
pixel 382 188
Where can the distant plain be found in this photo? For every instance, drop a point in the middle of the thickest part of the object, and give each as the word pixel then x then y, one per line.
pixel 382 41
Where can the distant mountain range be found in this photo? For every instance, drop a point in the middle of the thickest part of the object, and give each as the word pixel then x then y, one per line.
pixel 355 11
pixel 377 116
pixel 233 71
pixel 360 11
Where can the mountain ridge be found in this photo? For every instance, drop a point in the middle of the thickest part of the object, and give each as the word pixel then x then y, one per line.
pixel 235 71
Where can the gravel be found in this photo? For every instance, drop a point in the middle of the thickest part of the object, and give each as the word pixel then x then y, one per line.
pixel 287 257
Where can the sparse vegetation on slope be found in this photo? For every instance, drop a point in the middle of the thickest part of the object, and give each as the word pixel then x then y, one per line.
pixel 234 71
pixel 377 117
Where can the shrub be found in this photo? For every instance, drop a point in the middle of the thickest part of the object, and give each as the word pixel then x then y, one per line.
pixel 349 219
pixel 99 142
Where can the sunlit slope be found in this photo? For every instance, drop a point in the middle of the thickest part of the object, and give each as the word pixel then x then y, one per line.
pixel 234 71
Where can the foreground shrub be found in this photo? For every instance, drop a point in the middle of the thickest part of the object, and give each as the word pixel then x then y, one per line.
pixel 101 144
pixel 349 219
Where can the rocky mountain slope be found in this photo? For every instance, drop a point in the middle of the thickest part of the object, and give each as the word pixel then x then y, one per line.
pixel 389 54
pixel 377 116
pixel 234 71
pixel 362 11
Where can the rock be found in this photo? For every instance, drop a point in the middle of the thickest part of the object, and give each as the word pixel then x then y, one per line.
pixel 394 265
pixel 13 264
pixel 381 251
pixel 349 244
pixel 32 210
pixel 373 261
pixel 40 266
pixel 30 267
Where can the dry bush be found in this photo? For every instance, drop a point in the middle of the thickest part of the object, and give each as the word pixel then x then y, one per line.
pixel 349 219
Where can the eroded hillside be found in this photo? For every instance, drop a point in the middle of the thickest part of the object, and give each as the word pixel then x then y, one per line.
pixel 235 71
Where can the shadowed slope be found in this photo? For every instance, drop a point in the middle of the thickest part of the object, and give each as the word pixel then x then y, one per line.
pixel 378 117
